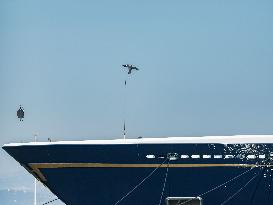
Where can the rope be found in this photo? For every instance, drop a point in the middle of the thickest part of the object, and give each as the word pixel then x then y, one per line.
pixel 50 201
pixel 256 187
pixel 270 187
pixel 217 187
pixel 237 192
pixel 138 185
pixel 164 184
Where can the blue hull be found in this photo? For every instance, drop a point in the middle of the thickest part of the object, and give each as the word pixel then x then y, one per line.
pixel 104 174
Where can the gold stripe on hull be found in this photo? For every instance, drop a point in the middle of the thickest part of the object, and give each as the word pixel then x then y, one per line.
pixel 37 166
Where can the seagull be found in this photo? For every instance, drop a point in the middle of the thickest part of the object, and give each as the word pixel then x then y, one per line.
pixel 20 113
pixel 130 68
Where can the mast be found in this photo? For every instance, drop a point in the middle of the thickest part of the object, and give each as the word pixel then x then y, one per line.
pixel 130 68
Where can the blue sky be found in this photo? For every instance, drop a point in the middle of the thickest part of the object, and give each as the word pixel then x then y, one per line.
pixel 206 68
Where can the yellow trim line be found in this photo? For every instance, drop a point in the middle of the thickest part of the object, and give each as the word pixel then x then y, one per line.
pixel 109 165
pixel 37 166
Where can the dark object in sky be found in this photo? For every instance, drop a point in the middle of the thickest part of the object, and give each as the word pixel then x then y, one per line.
pixel 20 113
pixel 130 68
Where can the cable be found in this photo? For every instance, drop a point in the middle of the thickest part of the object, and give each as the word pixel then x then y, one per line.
pixel 50 201
pixel 164 184
pixel 138 185
pixel 270 187
pixel 237 192
pixel 256 187
pixel 217 187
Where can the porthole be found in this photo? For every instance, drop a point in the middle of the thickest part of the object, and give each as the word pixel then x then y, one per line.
pixel 217 156
pixel 150 156
pixel 229 156
pixel 172 156
pixel 206 156
pixel 251 156
pixel 195 156
pixel 240 156
pixel 184 156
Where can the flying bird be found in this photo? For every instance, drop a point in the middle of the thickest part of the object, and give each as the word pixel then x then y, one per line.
pixel 21 113
pixel 130 68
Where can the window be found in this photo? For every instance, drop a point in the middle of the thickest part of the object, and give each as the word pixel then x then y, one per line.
pixel 229 156
pixel 217 156
pixel 240 156
pixel 251 156
pixel 172 156
pixel 262 156
pixel 184 200
pixel 195 156
pixel 184 156
pixel 150 156
pixel 206 156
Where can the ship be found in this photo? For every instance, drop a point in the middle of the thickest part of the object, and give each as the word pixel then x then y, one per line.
pixel 208 170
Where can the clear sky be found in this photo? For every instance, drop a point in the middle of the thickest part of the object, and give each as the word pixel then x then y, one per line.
pixel 206 68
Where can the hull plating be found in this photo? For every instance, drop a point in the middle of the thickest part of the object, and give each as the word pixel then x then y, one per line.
pixel 103 174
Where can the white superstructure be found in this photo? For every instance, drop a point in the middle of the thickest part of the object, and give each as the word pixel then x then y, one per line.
pixel 234 139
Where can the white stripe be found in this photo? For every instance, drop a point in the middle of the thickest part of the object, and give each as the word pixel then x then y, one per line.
pixel 235 139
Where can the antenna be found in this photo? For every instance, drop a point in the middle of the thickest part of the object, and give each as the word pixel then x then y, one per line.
pixel 124 131
pixel 125 105
pixel 130 68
